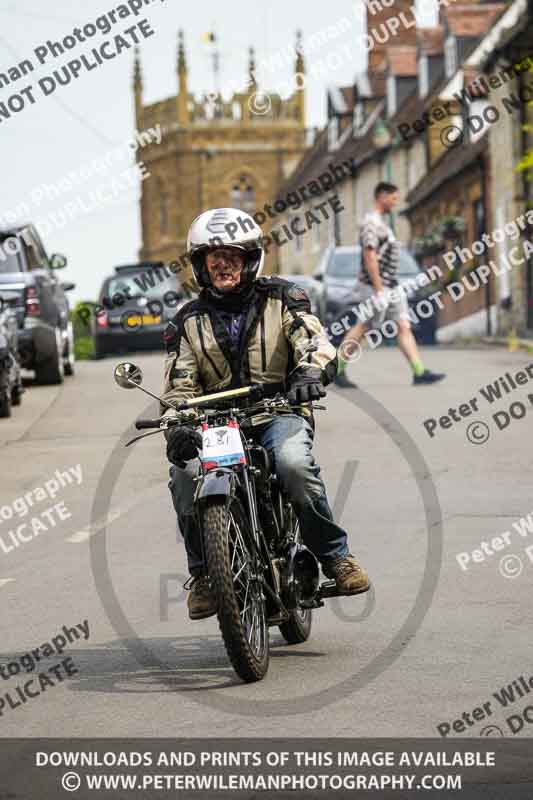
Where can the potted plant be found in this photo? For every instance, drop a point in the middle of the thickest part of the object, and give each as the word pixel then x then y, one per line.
pixel 452 227
pixel 431 244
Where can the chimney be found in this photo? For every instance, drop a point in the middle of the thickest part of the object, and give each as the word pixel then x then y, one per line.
pixel 388 24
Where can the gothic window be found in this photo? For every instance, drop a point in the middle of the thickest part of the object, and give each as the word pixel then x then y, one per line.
pixel 243 194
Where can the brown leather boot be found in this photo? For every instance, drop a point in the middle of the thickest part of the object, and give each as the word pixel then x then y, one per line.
pixel 349 576
pixel 201 602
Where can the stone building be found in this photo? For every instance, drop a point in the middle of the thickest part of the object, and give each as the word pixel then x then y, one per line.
pixel 215 152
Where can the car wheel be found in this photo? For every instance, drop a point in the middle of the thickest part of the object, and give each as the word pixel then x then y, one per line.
pixel 5 402
pixel 52 371
pixel 99 349
pixel 69 360
pixel 16 394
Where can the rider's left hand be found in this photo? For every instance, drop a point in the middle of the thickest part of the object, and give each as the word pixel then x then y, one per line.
pixel 305 388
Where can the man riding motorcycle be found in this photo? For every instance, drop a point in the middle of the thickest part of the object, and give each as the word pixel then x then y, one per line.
pixel 244 329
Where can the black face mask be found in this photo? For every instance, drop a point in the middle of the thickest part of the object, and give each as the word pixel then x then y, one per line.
pixel 232 300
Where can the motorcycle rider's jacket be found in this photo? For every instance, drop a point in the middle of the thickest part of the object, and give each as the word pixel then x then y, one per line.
pixel 279 337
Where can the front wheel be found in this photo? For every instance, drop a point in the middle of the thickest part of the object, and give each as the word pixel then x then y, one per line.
pixel 235 577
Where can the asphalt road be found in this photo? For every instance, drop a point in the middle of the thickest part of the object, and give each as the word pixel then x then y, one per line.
pixel 430 642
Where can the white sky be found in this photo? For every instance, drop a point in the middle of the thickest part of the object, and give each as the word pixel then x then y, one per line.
pixel 94 114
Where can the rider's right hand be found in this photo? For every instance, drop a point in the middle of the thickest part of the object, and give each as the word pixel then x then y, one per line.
pixel 183 445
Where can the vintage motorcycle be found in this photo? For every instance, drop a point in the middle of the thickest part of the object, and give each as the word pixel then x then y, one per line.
pixel 259 570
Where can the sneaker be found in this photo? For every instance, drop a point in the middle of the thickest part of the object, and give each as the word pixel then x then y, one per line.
pixel 343 382
pixel 427 377
pixel 349 576
pixel 201 603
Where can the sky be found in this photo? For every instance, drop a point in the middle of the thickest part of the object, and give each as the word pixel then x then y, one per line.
pixel 75 147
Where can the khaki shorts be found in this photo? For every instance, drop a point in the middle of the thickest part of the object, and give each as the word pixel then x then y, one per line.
pixel 396 310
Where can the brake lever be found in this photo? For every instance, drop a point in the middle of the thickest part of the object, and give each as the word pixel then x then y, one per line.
pixel 144 435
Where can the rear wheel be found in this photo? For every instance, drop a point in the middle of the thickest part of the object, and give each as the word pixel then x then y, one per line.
pixel 69 359
pixel 234 575
pixel 297 628
pixel 52 370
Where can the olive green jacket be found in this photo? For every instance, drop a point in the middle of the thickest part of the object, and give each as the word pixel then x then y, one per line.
pixel 280 338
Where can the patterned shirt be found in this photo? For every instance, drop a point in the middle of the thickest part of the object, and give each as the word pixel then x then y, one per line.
pixel 375 233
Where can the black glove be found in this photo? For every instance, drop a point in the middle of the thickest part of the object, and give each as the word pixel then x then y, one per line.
pixel 304 388
pixel 183 445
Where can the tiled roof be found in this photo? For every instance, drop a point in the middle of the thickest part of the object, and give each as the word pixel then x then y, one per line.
pixel 312 164
pixel 472 20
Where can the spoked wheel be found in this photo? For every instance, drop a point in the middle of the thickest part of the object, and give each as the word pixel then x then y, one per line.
pixel 234 575
pixel 297 628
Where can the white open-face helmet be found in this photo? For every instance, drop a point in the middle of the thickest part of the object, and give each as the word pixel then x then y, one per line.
pixel 225 227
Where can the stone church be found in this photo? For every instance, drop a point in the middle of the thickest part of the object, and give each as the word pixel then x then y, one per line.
pixel 215 152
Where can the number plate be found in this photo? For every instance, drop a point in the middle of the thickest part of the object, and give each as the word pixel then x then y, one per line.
pixel 222 446
pixel 134 321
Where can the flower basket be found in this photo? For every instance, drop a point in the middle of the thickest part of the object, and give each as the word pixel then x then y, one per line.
pixel 452 227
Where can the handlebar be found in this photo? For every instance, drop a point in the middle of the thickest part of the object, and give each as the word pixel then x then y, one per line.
pixel 254 392
pixel 142 424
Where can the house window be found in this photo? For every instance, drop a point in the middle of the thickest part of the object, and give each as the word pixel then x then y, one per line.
pixel 450 56
pixel 391 95
pixel 243 194
pixel 333 133
pixel 358 116
pixel 476 109
pixel 423 76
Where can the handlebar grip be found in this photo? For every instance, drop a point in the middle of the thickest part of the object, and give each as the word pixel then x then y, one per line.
pixel 142 424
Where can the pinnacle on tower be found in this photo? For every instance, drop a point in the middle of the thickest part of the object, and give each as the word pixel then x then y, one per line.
pixel 137 73
pixel 182 64
pixel 251 69
pixel 299 65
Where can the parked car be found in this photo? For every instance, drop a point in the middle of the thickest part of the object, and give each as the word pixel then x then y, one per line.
pixel 338 274
pixel 28 279
pixel 11 388
pixel 134 306
pixel 314 292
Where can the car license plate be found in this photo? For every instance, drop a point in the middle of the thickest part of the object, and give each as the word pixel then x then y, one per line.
pixel 222 446
pixel 133 321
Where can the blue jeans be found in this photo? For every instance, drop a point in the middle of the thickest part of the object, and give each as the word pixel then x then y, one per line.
pixel 289 440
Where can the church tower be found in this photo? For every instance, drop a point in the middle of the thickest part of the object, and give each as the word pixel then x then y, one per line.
pixel 216 151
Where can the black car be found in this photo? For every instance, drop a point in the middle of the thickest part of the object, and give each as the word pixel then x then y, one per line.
pixel 10 378
pixel 134 307
pixel 28 280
